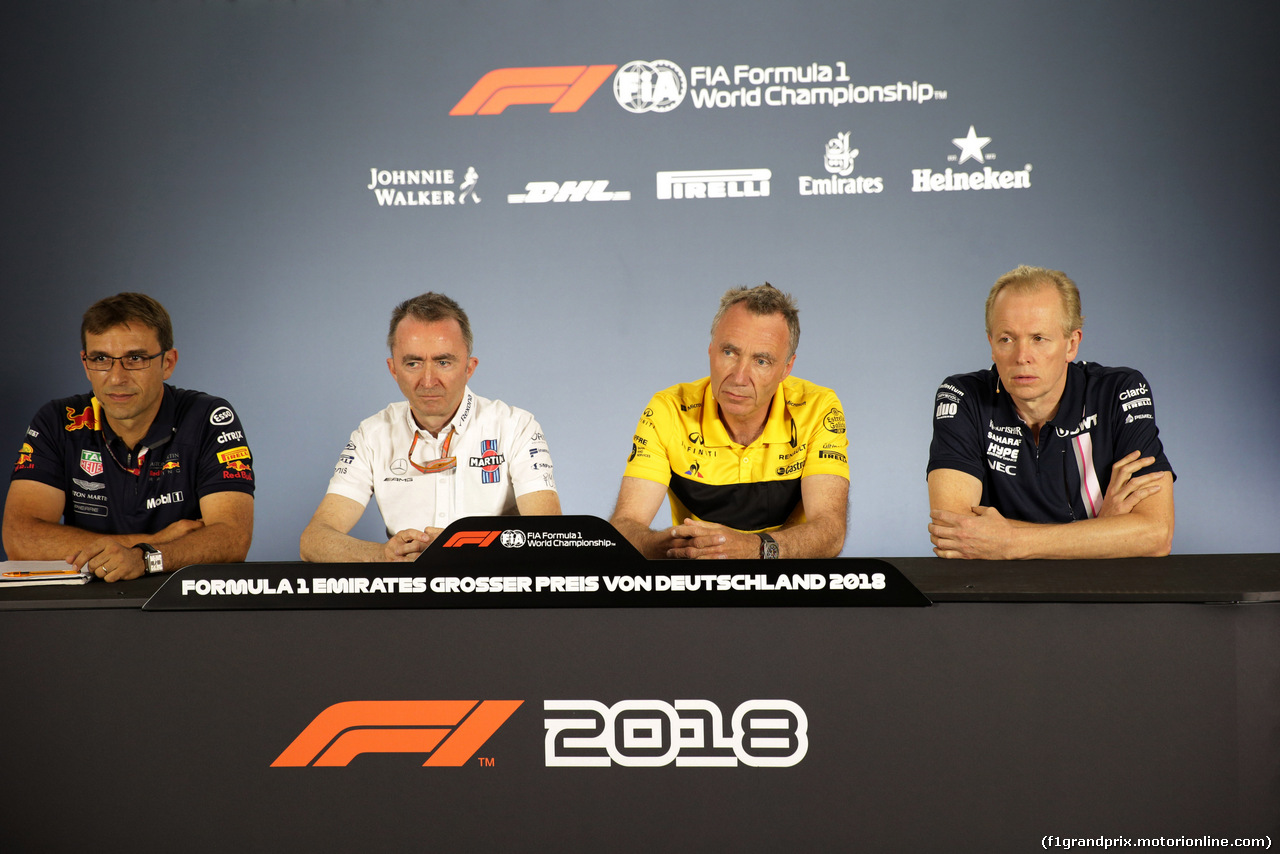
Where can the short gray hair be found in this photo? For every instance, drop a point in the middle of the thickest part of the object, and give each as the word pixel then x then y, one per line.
pixel 762 300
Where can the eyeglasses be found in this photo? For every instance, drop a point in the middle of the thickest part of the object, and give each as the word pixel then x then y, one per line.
pixel 130 361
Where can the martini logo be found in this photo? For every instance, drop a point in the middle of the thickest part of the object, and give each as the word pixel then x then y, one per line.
pixel 658 86
pixel 565 87
pixel 971 148
pixel 91 463
pixel 448 731
pixel 76 421
pixel 489 462
pixel 839 160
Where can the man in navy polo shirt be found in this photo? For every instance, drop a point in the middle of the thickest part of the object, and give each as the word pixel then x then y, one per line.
pixel 1040 457
pixel 138 476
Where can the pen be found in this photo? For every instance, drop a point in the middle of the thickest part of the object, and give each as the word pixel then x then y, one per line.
pixel 32 573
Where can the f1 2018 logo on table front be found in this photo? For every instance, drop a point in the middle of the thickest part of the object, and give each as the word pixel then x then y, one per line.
pixel 579 733
pixel 450 731
pixel 690 733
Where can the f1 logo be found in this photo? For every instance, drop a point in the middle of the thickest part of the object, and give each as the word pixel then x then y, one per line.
pixel 472 538
pixel 450 730
pixel 564 87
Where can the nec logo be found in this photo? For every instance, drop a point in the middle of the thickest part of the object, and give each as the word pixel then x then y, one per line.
pixel 450 730
pixel 472 538
pixel 564 87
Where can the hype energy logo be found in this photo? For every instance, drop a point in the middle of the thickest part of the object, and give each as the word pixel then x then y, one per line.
pixel 577 733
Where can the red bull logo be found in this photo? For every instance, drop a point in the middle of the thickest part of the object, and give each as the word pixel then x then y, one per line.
pixel 76 421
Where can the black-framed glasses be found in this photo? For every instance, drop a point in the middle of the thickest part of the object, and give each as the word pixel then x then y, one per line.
pixel 129 361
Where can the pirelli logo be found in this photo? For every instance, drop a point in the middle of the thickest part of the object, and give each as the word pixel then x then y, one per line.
pixel 451 731
pixel 240 452
pixel 565 87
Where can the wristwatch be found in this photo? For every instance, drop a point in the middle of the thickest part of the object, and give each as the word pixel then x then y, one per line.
pixel 152 560
pixel 768 547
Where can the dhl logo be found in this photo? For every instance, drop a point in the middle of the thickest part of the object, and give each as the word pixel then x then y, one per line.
pixel 77 421
pixel 472 538
pixel 564 87
pixel 450 730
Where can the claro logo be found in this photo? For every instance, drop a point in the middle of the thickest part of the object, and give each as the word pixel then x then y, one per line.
pixel 450 730
pixel 564 87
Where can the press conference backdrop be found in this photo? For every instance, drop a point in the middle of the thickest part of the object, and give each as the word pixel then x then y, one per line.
pixel 281 174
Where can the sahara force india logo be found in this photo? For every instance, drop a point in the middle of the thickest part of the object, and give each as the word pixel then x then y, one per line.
pixel 578 733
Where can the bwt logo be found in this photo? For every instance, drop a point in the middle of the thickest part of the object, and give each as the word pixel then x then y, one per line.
pixel 450 730
pixel 565 87
pixel 692 733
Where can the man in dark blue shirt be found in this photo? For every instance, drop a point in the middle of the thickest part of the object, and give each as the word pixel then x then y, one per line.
pixel 139 476
pixel 1040 457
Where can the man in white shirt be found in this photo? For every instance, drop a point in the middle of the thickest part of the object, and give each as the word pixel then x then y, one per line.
pixel 442 453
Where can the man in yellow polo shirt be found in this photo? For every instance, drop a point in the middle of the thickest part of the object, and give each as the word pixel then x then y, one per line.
pixel 755 461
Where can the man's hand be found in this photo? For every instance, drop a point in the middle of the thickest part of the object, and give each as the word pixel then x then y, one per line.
pixel 695 540
pixel 985 534
pixel 406 545
pixel 1126 491
pixel 109 560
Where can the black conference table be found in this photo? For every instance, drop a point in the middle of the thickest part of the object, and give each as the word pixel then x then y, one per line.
pixel 1126 699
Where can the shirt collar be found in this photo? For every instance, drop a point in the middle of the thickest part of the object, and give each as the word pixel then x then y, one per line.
pixel 776 426
pixel 465 415
pixel 162 426
pixel 1070 407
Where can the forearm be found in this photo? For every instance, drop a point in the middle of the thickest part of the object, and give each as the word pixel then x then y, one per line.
pixel 650 543
pixel 217 542
pixel 35 539
pixel 322 543
pixel 813 538
pixel 1129 535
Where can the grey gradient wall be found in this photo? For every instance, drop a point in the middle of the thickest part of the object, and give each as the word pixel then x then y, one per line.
pixel 217 155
